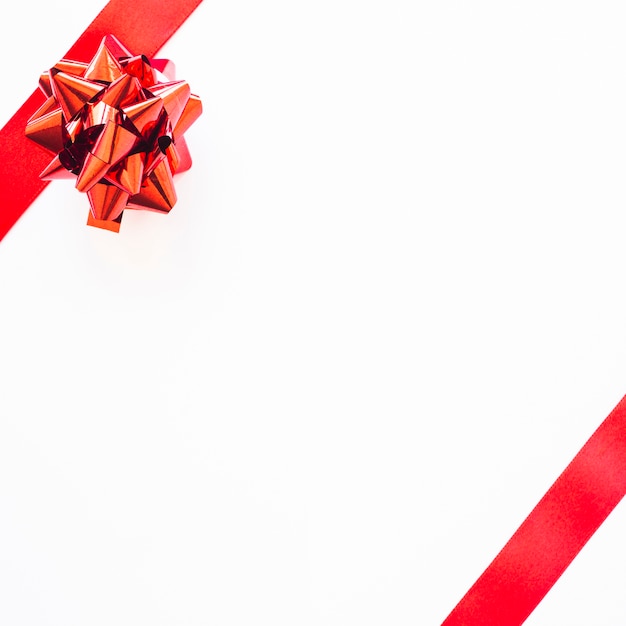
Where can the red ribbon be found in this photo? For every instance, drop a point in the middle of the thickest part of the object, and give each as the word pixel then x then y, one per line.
pixel 553 534
pixel 144 26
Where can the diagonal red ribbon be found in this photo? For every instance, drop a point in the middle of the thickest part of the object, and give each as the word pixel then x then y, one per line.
pixel 553 534
pixel 144 26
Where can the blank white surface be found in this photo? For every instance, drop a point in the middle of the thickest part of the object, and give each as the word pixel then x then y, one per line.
pixel 386 312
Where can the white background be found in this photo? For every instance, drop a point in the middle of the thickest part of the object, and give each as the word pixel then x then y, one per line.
pixel 386 312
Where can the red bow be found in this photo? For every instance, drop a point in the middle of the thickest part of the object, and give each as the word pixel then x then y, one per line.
pixel 143 25
pixel 115 128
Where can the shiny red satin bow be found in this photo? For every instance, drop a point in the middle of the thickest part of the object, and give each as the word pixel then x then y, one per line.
pixel 117 129
pixel 143 25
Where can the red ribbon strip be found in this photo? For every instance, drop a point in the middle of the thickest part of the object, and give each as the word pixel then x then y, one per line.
pixel 144 26
pixel 553 534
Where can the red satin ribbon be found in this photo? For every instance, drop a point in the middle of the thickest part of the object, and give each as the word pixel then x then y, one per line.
pixel 553 534
pixel 143 26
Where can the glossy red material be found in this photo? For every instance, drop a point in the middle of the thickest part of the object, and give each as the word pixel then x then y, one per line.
pixel 105 67
pixel 47 129
pixel 141 68
pixel 99 116
pixel 553 534
pixel 143 25
pixel 190 114
pixel 143 114
pixel 72 93
pixel 107 202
